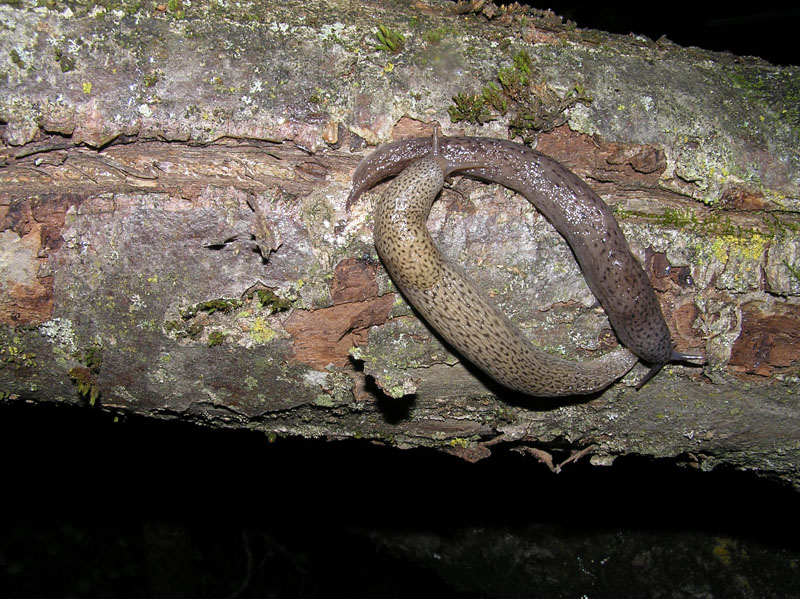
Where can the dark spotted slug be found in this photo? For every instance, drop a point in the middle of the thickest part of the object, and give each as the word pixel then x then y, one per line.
pixel 456 308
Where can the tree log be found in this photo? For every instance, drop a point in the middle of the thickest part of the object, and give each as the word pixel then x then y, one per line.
pixel 175 241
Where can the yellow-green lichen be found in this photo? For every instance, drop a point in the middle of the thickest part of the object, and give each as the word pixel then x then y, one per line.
pixel 687 219
pixel 261 332
pixel 748 249
pixel 12 356
pixel 324 401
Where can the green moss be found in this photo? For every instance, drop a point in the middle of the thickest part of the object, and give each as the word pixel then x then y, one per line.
pixel 16 59
pixel 434 36
pixel 268 299
pixel 150 79
pixel 793 270
pixel 778 227
pixel 172 326
pixel 778 93
pixel 93 357
pixel 471 108
pixel 84 376
pixel 132 8
pixel 686 219
pixel 389 40
pixel 65 61
pixel 216 338
pixel 84 380
pixel 532 105
pixel 210 307
pixel 175 7
pixel 722 551
pixel 320 96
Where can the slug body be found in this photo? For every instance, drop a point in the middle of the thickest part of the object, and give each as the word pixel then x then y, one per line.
pixel 487 337
pixel 454 306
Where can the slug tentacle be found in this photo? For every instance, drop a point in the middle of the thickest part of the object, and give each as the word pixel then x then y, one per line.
pixel 613 274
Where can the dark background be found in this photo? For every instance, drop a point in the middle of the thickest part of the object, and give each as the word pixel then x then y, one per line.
pixel 765 29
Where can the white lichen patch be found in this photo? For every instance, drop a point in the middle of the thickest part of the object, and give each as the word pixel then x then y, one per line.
pixel 60 332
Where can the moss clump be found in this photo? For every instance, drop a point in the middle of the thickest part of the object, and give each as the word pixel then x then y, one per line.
pixel 194 319
pixel 176 8
pixel 85 380
pixel 472 108
pixel 84 376
pixel 65 61
pixel 93 357
pixel 434 36
pixel 210 307
pixel 216 338
pixel 152 78
pixel 268 299
pixel 16 59
pixel 532 105
pixel 389 40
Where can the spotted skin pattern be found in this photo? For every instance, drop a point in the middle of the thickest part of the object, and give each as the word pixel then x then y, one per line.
pixel 458 310
pixel 575 210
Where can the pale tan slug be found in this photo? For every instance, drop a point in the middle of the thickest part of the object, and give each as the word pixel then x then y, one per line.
pixel 461 313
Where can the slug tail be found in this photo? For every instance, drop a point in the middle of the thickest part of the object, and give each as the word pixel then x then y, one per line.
pixel 651 373
pixel 679 357
pixel 675 357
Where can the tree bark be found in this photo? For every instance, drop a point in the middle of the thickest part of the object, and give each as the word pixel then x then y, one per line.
pixel 175 241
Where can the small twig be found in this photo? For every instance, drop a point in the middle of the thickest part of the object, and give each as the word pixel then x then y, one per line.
pixel 576 455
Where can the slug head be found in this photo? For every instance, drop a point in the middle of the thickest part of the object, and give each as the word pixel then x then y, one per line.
pixel 448 166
